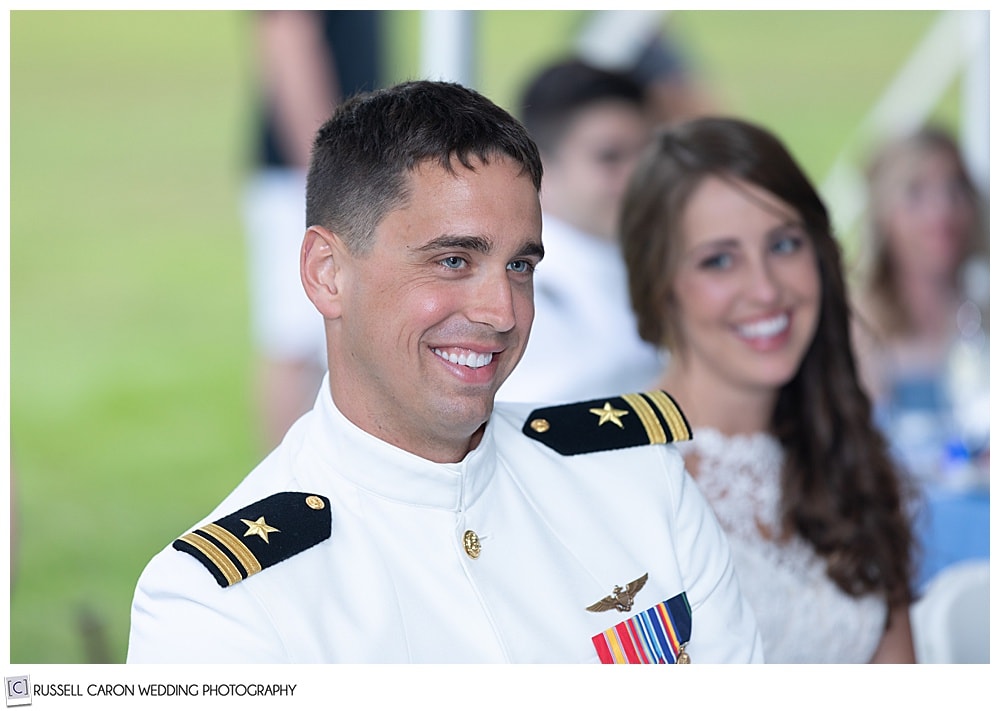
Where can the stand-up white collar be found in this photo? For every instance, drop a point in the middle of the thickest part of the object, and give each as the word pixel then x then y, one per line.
pixel 387 471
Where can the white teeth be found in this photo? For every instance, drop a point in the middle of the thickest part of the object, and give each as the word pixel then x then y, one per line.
pixel 766 328
pixel 469 360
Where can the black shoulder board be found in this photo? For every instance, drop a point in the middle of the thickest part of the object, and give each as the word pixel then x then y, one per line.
pixel 259 536
pixel 609 423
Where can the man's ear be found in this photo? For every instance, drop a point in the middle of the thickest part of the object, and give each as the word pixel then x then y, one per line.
pixel 321 265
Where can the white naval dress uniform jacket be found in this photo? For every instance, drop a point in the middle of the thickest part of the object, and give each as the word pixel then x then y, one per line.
pixel 394 583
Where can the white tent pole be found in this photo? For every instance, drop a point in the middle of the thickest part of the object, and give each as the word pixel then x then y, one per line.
pixel 947 50
pixel 976 99
pixel 447 46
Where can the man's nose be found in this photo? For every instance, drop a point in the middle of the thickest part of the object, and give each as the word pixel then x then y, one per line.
pixel 493 302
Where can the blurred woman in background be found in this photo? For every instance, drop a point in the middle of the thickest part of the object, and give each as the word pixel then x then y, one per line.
pixel 922 300
pixel 734 269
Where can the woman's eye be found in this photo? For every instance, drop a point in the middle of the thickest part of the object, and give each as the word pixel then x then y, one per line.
pixel 957 191
pixel 788 244
pixel 717 261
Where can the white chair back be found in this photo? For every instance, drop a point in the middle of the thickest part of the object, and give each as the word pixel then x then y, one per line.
pixel 951 621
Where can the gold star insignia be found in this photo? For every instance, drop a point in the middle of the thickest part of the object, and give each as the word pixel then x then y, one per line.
pixel 609 414
pixel 259 528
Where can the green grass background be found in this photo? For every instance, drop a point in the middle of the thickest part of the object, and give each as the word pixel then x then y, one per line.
pixel 130 399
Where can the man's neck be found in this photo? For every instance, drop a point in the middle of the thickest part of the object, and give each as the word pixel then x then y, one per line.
pixel 440 450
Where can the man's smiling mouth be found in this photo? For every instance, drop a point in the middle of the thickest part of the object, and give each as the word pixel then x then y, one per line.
pixel 470 359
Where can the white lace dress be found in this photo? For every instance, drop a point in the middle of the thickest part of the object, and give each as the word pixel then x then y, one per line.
pixel 803 616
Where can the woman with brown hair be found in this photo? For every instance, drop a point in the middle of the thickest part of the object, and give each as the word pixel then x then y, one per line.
pixel 734 269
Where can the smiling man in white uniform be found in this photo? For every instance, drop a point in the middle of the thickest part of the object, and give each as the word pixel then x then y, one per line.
pixel 404 519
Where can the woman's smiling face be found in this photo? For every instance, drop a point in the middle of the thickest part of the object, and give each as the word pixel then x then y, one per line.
pixel 746 293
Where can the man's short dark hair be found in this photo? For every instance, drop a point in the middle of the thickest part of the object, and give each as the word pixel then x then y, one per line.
pixel 552 99
pixel 363 154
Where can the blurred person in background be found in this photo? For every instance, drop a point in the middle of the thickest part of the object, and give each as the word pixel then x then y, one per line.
pixel 308 63
pixel 590 126
pixel 733 267
pixel 922 298
pixel 591 114
pixel 644 45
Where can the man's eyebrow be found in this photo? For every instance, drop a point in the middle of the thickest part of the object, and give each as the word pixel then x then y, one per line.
pixel 469 242
pixel 532 248
pixel 483 245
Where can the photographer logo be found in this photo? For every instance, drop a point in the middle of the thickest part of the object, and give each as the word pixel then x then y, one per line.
pixel 18 690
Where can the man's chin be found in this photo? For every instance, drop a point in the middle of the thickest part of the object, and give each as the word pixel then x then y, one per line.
pixel 467 416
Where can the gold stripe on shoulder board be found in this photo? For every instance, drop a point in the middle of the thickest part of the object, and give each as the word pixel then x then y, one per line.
pixel 218 558
pixel 671 415
pixel 243 554
pixel 647 417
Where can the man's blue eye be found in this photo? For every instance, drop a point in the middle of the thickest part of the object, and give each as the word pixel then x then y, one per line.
pixel 520 266
pixel 453 262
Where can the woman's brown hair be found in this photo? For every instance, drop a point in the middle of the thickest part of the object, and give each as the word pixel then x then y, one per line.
pixel 840 488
